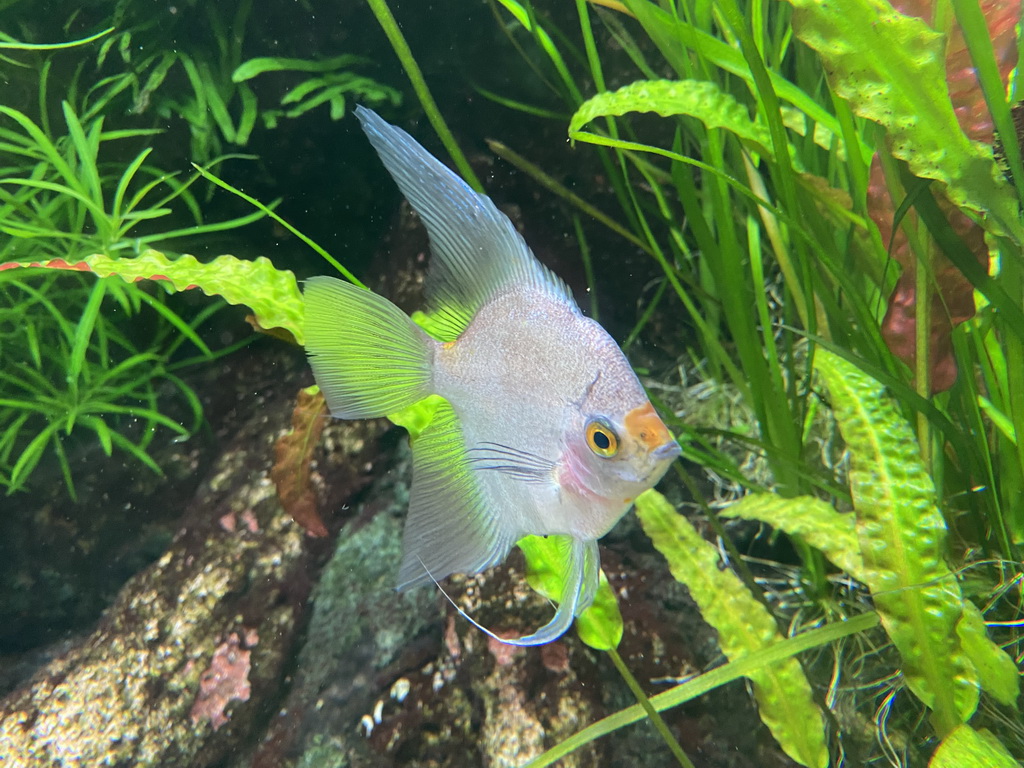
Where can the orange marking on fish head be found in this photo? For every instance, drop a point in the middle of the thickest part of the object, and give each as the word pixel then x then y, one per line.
pixel 646 427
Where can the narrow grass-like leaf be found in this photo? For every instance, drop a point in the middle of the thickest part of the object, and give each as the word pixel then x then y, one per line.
pixel 816 521
pixel 86 149
pixel 673 36
pixel 126 178
pixel 103 432
pixel 186 330
pixel 253 67
pixel 31 454
pixel 784 697
pixel 83 331
pixel 128 446
pixel 902 537
pixel 715 678
pixel 8 42
pixel 250 111
pixel 45 146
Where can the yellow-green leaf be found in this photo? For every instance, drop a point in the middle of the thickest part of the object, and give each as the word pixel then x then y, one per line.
pixel 817 522
pixel 744 626
pixel 968 748
pixel 996 668
pixel 891 69
pixel 600 626
pixel 902 538
pixel 272 294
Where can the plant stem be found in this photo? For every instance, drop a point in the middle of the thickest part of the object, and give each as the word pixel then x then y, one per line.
pixel 652 713
pixel 419 85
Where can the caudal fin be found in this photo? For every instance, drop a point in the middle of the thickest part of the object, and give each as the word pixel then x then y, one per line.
pixel 369 358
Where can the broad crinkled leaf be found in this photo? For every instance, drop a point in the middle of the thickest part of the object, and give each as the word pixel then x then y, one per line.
pixel 902 539
pixel 272 294
pixel 968 748
pixel 1000 678
pixel 952 296
pixel 816 521
pixel 600 626
pixel 695 98
pixel 891 69
pixel 744 625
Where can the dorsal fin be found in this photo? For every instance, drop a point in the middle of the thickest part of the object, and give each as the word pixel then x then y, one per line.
pixel 476 250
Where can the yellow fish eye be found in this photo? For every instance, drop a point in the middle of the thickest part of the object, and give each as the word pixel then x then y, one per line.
pixel 602 439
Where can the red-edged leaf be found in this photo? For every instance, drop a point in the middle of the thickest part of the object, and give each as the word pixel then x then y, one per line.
pixel 271 293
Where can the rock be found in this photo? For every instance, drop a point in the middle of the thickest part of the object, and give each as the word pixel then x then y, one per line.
pixel 179 668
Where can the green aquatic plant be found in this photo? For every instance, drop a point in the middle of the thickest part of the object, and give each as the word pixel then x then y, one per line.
pixel 64 376
pixel 189 62
pixel 57 196
pixel 74 367
pixel 330 81
pixel 754 202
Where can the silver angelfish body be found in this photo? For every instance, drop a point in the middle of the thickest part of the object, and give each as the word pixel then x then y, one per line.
pixel 546 429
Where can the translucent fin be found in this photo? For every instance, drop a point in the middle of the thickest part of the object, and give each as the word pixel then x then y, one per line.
pixel 591 575
pixel 580 554
pixel 450 528
pixel 367 356
pixel 476 250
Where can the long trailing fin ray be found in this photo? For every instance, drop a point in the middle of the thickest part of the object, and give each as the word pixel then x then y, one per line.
pixel 477 251
pixel 591 575
pixel 450 527
pixel 570 606
pixel 369 358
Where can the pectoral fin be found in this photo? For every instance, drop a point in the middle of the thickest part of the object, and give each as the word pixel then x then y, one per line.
pixel 451 528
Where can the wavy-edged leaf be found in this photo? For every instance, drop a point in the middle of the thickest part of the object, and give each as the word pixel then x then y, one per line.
pixel 968 748
pixel 254 67
pixel 293 455
pixel 902 538
pixel 816 521
pixel 600 626
pixel 272 294
pixel 696 98
pixel 996 668
pixel 744 626
pixel 891 69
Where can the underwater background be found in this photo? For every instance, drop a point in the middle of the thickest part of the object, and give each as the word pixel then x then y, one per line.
pixel 801 222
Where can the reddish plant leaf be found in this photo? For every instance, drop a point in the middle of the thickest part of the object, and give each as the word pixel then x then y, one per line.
pixel 292 456
pixel 952 297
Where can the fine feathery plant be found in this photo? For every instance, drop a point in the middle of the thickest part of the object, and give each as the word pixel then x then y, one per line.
pixel 64 376
pixel 71 368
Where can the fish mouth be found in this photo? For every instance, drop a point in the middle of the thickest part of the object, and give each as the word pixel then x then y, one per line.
pixel 667 451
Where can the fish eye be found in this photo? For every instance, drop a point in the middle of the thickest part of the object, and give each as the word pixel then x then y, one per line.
pixel 602 439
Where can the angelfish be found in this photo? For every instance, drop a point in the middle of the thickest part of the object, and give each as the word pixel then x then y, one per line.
pixel 546 429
